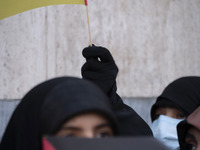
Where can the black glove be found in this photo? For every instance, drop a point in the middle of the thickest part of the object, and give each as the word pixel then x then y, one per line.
pixel 100 68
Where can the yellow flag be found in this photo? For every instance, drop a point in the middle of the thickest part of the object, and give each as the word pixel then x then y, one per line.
pixel 12 7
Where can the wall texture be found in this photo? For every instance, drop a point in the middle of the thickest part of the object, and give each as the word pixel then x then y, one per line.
pixel 153 42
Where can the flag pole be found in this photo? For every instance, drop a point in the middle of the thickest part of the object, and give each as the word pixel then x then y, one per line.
pixel 86 4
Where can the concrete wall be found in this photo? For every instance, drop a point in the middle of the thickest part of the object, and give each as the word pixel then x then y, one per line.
pixel 152 41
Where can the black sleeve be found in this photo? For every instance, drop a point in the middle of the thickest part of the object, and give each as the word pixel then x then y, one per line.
pixel 131 124
pixel 101 69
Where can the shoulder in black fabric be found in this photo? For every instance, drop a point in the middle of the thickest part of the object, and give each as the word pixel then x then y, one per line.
pixel 22 131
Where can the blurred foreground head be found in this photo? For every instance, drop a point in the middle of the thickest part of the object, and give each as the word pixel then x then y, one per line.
pixel 48 107
pixel 189 132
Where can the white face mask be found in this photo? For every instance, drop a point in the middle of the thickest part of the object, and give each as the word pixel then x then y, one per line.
pixel 164 129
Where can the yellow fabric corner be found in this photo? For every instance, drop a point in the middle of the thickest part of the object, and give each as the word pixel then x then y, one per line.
pixel 12 7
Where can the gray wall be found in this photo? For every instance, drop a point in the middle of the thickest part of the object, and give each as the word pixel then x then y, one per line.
pixel 153 43
pixel 6 110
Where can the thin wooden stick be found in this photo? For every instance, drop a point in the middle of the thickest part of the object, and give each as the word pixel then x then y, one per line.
pixel 89 26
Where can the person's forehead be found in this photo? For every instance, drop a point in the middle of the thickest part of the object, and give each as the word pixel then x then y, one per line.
pixel 194 118
pixel 86 118
pixel 167 109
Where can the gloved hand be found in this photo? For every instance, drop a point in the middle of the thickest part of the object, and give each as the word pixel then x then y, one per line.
pixel 100 68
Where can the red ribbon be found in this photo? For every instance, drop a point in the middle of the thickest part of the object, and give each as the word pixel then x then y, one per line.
pixel 86 2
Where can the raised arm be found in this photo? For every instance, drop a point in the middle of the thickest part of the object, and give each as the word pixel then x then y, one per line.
pixel 101 69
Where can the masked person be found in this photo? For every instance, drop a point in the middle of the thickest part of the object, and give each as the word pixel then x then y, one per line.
pixel 64 106
pixel 189 132
pixel 178 100
pixel 101 69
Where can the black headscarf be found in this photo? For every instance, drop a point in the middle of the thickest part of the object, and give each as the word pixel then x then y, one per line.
pixel 183 126
pixel 44 108
pixel 183 94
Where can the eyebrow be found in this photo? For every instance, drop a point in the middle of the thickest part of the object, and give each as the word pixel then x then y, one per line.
pixel 102 126
pixel 79 129
pixel 71 128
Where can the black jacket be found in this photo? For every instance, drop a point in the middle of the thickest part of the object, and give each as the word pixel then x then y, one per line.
pixel 101 69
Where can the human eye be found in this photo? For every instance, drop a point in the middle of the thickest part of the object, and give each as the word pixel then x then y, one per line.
pixel 103 134
pixel 66 135
pixel 69 135
pixel 180 116
pixel 159 111
pixel 191 147
pixel 191 142
pixel 156 116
